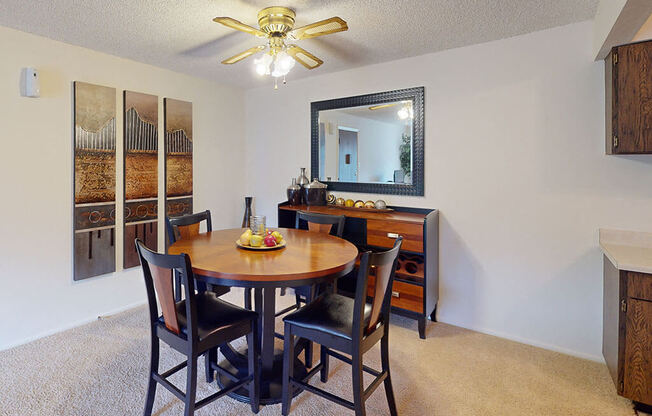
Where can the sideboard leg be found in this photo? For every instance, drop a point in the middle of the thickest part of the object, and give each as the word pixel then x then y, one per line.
pixel 433 315
pixel 422 327
pixel 642 407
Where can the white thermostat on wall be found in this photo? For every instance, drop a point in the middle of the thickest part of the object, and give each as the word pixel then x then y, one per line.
pixel 30 85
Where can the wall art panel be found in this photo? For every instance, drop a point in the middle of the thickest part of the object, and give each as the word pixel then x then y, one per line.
pixel 140 173
pixel 94 178
pixel 178 157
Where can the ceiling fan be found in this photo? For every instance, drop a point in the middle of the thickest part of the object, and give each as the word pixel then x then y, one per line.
pixel 277 26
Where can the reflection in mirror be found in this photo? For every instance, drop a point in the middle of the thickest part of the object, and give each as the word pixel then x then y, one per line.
pixel 367 144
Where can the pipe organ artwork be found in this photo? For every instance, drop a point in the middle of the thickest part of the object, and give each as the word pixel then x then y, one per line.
pixel 178 157
pixel 94 178
pixel 140 173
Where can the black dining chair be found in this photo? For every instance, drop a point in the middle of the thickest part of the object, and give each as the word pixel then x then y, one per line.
pixel 350 326
pixel 192 327
pixel 323 223
pixel 187 226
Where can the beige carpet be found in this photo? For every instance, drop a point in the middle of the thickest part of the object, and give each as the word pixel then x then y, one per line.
pixel 101 369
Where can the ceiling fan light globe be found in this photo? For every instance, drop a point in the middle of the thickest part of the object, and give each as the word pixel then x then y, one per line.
pixel 284 62
pixel 261 69
pixel 278 71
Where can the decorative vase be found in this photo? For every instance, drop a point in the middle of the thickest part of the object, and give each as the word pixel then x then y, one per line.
pixel 294 193
pixel 315 193
pixel 302 181
pixel 247 213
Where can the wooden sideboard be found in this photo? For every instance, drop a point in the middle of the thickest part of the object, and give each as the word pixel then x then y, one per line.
pixel 415 292
pixel 627 332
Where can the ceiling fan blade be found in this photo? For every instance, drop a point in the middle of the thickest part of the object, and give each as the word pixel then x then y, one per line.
pixel 378 107
pixel 304 57
pixel 237 25
pixel 242 55
pixel 323 27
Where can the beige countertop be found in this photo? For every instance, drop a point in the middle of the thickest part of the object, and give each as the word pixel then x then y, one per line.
pixel 628 250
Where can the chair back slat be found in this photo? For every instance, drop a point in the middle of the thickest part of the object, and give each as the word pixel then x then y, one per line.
pixel 383 277
pixel 187 231
pixel 320 228
pixel 158 270
pixel 163 285
pixel 383 264
pixel 322 223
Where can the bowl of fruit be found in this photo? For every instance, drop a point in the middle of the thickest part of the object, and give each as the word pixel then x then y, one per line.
pixel 271 240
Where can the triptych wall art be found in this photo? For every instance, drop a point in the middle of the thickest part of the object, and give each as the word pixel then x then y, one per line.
pixel 95 172
pixel 178 157
pixel 140 173
pixel 95 169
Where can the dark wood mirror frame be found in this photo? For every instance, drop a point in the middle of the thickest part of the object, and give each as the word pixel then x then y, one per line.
pixel 417 96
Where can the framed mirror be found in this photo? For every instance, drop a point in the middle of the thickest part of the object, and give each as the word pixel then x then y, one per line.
pixel 370 143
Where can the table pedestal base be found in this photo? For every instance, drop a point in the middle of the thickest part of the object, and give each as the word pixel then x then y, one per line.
pixel 271 382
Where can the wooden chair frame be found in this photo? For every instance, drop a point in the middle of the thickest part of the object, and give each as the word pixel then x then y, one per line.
pixel 173 224
pixel 321 219
pixel 189 343
pixel 305 294
pixel 363 338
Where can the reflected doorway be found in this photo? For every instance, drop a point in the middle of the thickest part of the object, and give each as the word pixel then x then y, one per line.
pixel 348 155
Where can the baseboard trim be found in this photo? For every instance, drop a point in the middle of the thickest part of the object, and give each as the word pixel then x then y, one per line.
pixel 72 325
pixel 526 341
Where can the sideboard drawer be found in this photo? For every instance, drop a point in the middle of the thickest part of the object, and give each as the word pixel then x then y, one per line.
pixel 384 234
pixel 639 286
pixel 404 295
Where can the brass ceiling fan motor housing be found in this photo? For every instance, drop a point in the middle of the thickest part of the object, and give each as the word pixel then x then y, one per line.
pixel 276 20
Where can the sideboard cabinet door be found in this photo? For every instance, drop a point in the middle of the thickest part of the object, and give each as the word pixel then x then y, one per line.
pixel 637 378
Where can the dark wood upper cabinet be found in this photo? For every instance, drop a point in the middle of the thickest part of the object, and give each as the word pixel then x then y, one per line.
pixel 628 94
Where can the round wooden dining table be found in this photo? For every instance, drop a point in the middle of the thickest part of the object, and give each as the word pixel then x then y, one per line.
pixel 308 258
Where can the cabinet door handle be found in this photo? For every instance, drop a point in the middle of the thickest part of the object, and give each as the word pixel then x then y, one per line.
pixel 395 294
pixel 392 235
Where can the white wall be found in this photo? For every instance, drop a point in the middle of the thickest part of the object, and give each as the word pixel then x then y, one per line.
pixel 378 145
pixel 515 161
pixel 37 294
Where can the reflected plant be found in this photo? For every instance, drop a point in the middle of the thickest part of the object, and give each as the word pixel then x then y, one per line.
pixel 405 153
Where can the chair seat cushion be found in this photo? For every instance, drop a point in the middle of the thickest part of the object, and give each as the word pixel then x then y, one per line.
pixel 329 313
pixel 213 315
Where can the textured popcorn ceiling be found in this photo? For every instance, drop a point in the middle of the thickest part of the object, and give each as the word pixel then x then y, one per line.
pixel 181 36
